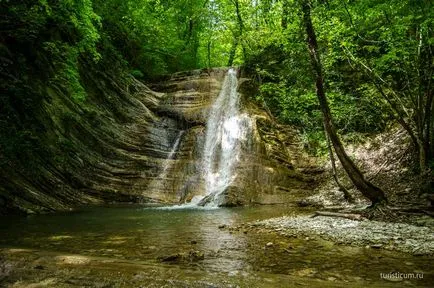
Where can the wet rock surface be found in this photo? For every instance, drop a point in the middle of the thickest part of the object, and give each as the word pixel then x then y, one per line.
pixel 115 147
pixel 191 256
pixel 271 167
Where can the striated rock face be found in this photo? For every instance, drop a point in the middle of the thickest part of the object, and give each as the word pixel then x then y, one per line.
pixel 271 167
pixel 128 143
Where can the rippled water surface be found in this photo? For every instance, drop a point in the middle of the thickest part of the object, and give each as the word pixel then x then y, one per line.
pixel 137 233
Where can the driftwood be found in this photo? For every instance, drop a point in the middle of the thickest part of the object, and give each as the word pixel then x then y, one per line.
pixel 357 217
pixel 422 210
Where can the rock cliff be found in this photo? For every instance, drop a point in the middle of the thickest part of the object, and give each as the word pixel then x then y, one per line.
pixel 128 143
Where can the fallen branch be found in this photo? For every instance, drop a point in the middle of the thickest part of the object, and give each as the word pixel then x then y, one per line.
pixel 413 210
pixel 356 217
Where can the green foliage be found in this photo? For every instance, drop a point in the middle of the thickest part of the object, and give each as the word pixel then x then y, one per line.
pixel 42 43
pixel 19 142
pixel 65 60
pixel 49 40
pixel 137 74
pixel 157 37
pixel 314 142
pixel 392 38
pixel 65 30
pixel 79 21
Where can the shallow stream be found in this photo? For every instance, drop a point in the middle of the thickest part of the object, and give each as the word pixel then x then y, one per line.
pixel 144 235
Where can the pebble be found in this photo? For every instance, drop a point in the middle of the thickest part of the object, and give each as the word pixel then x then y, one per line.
pixel 269 244
pixel 394 279
pixel 418 240
pixel 376 246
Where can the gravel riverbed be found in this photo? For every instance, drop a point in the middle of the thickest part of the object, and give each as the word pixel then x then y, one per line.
pixel 416 240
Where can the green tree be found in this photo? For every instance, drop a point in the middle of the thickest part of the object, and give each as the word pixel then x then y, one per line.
pixel 392 42
pixel 370 191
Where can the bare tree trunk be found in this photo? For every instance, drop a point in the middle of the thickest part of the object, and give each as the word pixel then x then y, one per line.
pixel 370 191
pixel 420 125
pixel 341 187
pixel 399 114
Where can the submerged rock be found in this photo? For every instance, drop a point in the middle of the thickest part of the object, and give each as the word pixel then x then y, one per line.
pixel 196 255
pixel 172 258
pixel 191 256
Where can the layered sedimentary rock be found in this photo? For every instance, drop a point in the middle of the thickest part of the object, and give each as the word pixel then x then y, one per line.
pixel 271 167
pixel 130 143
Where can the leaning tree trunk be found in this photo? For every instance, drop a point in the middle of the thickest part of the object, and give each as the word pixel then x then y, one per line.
pixel 341 187
pixel 370 191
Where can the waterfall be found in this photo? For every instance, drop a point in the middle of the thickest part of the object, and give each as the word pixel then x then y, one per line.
pixel 226 128
pixel 168 164
pixel 226 131
pixel 160 182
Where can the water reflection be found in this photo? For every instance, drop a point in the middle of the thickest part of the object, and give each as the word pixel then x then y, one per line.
pixel 139 234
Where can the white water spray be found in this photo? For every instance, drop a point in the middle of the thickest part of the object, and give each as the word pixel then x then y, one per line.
pixel 226 128
pixel 168 164
pixel 160 182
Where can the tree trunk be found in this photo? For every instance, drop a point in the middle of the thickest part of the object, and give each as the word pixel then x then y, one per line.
pixel 284 19
pixel 420 125
pixel 427 123
pixel 233 51
pixel 370 191
pixel 240 26
pixel 431 129
pixel 341 187
pixel 237 35
pixel 208 54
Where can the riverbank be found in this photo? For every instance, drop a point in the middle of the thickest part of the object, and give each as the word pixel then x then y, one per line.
pixel 416 240
pixel 21 268
pixel 132 246
pixel 387 160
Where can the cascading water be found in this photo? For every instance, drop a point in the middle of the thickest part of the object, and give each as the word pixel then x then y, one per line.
pixel 167 164
pixel 226 128
pixel 159 182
